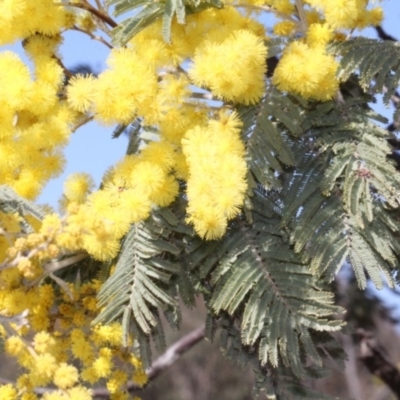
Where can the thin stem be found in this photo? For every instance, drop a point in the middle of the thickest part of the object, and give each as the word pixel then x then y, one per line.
pixel 83 122
pixel 302 14
pixel 99 14
pixel 267 9
pixel 54 266
pixel 203 96
pixel 4 233
pixel 94 37
pixel 67 73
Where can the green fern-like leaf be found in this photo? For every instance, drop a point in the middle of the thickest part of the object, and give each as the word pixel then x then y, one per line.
pixel 256 277
pixel 376 62
pixel 280 382
pixel 141 278
pixel 266 130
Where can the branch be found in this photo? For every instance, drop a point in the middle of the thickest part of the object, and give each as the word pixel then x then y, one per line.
pixel 88 7
pixel 162 363
pixel 377 363
pixel 174 352
pixel 93 37
pixel 83 122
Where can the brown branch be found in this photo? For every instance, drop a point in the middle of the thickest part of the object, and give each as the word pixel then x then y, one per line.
pixel 162 363
pixel 67 73
pixel 83 122
pixel 376 361
pixel 174 352
pixel 93 37
pixel 88 7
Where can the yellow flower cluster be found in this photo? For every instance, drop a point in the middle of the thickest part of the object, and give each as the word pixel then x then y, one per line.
pixel 348 14
pixel 305 67
pixel 128 93
pixel 308 71
pixel 46 17
pixel 66 350
pixel 220 66
pixel 97 221
pixel 217 174
pixel 34 124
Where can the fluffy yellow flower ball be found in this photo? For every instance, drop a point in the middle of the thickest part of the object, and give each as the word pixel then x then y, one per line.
pixel 307 71
pixel 233 69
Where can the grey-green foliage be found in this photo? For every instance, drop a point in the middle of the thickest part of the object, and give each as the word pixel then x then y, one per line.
pixel 146 281
pixel 254 275
pixel 339 191
pixel 277 383
pixel 376 61
pixel 147 13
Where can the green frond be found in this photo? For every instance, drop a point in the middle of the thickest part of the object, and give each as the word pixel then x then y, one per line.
pixel 128 28
pixel 302 185
pixel 140 282
pixel 274 46
pixel 257 278
pixel 266 131
pixel 280 382
pixel 374 60
pixel 10 202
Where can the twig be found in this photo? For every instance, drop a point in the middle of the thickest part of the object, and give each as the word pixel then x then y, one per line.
pixel 172 354
pixel 203 96
pixel 83 122
pixel 67 73
pixel 92 36
pixel 88 7
pixel 302 15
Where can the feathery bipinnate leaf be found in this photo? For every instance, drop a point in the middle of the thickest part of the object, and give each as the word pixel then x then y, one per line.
pixel 257 278
pixel 280 382
pixel 265 132
pixel 376 61
pixel 142 283
pixel 329 199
